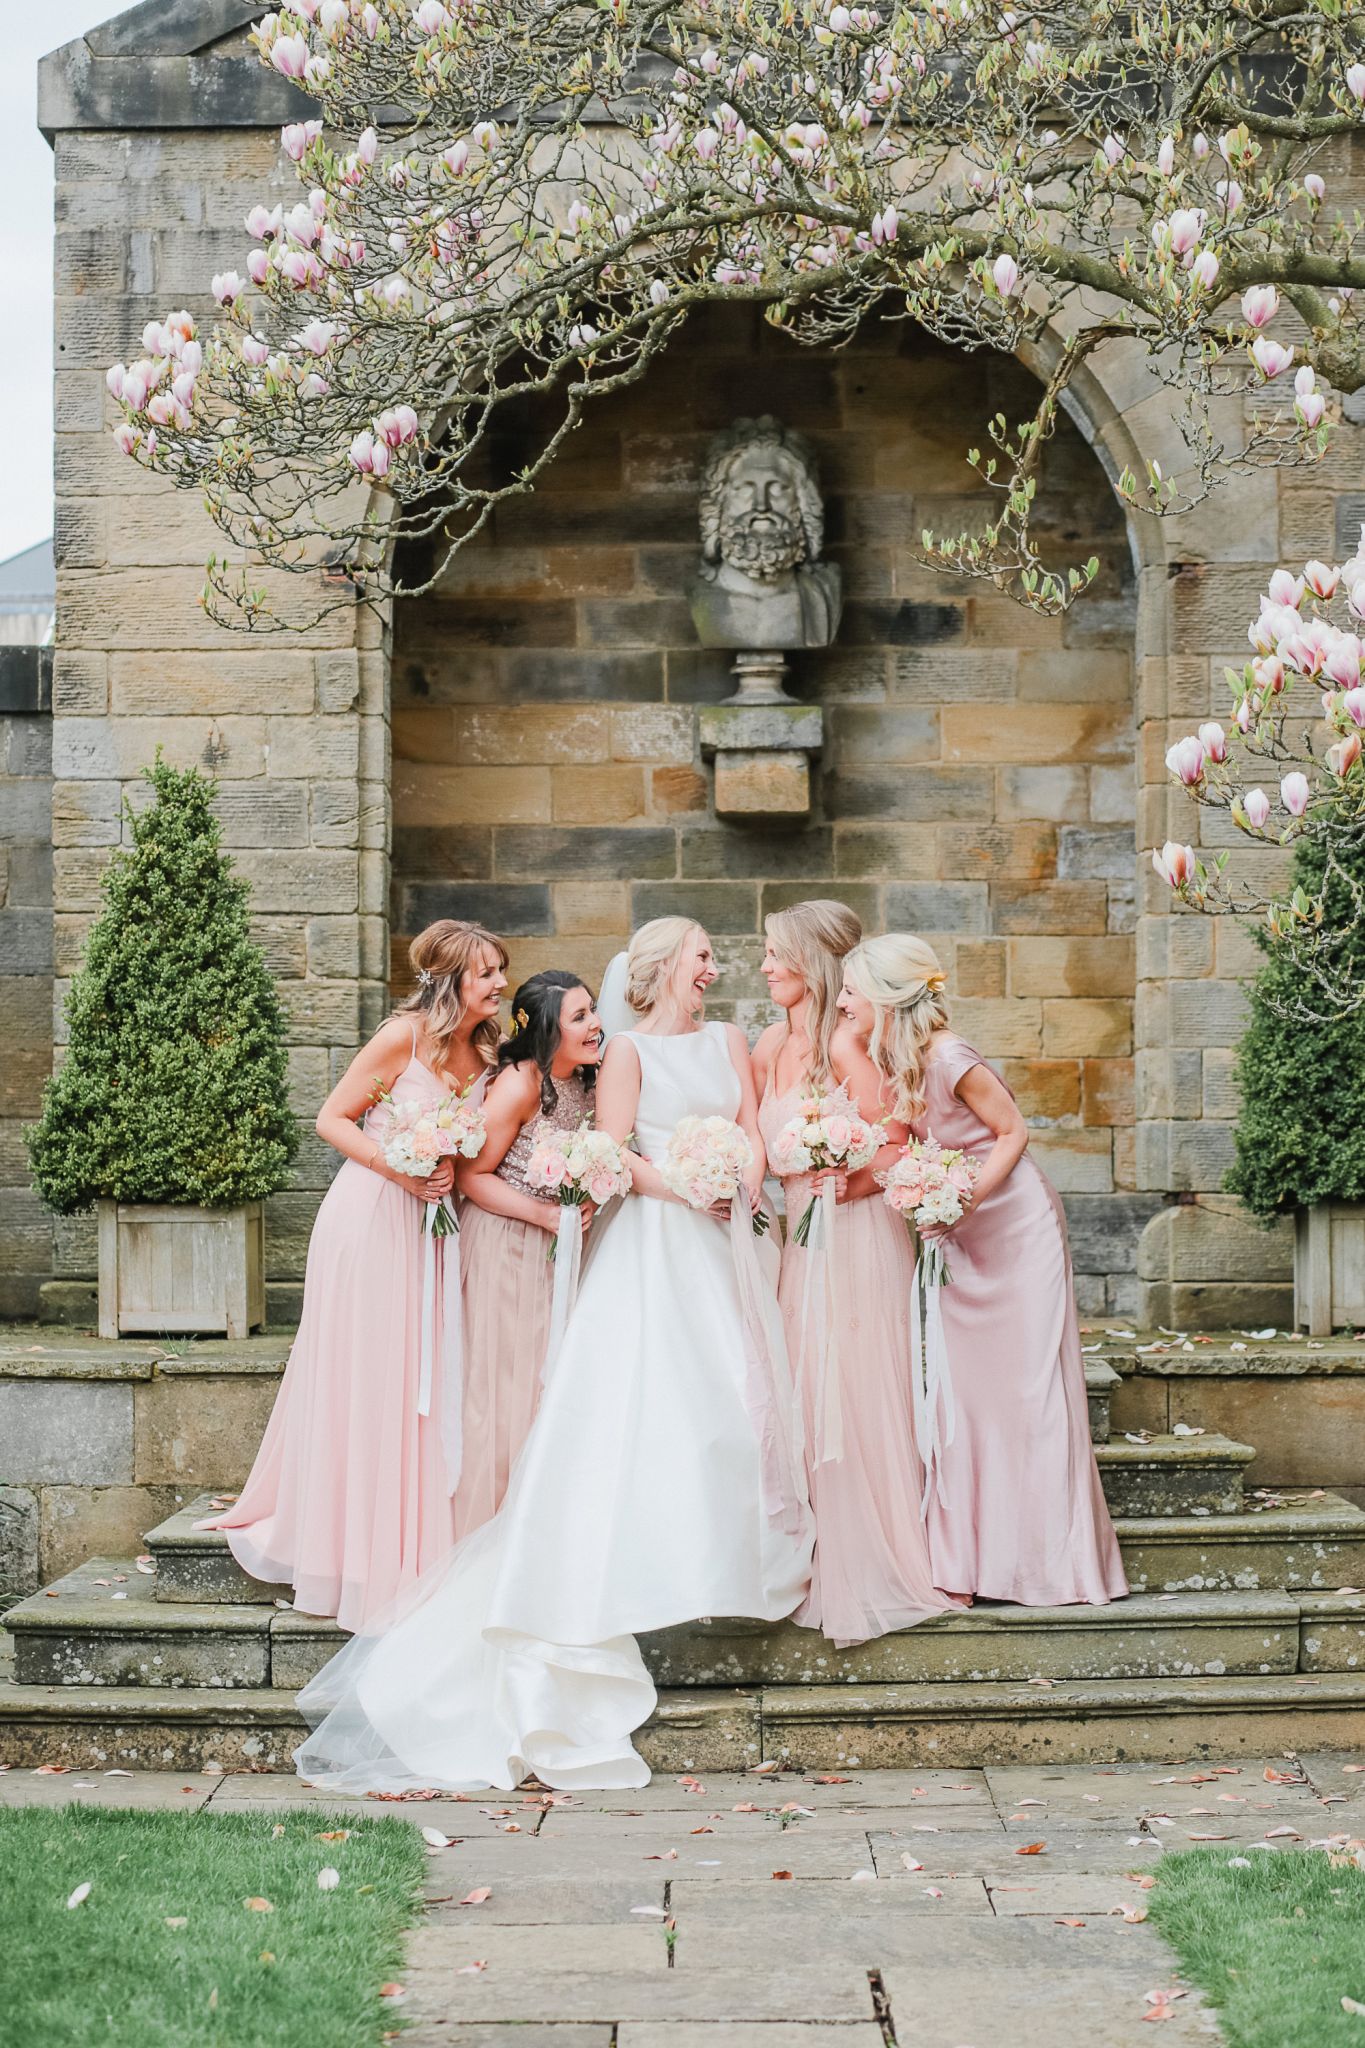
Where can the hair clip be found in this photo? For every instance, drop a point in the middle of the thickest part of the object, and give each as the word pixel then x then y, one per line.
pixel 935 981
pixel 425 977
pixel 522 1020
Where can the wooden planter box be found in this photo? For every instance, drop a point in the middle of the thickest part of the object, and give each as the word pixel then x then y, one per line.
pixel 166 1267
pixel 1329 1268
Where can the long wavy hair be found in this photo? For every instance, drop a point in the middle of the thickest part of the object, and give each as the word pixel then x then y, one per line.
pixel 534 1032
pixel 440 957
pixel 652 960
pixel 813 940
pixel 902 978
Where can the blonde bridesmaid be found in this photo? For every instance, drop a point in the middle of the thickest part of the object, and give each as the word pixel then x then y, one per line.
pixel 872 1572
pixel 546 1071
pixel 1022 1515
pixel 348 1499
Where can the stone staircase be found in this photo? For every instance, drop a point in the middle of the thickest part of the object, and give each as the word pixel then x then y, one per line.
pixel 1244 1634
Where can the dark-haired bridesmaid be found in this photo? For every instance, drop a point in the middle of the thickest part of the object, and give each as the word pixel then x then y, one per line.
pixel 546 1070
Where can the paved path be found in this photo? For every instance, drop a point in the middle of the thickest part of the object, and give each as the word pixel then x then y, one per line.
pixel 780 1911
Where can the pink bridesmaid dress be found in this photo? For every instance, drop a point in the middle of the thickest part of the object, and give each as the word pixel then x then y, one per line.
pixel 1023 1516
pixel 508 1282
pixel 872 1572
pixel 348 1500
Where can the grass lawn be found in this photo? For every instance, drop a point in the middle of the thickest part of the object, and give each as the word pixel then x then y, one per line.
pixel 1275 1948
pixel 165 1953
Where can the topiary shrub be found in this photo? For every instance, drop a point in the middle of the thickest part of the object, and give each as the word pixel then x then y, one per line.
pixel 174 1084
pixel 1301 1132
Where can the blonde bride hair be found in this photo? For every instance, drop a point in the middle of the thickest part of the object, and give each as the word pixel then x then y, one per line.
pixel 903 980
pixel 813 939
pixel 652 958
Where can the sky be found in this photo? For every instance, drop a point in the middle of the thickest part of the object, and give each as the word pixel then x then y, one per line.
pixel 26 263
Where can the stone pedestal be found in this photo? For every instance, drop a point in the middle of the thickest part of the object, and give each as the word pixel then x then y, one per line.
pixel 762 749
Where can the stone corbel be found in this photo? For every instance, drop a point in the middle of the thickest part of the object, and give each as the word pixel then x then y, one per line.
pixel 762 753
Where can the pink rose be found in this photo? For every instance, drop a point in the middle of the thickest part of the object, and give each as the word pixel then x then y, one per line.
pixel 839 1132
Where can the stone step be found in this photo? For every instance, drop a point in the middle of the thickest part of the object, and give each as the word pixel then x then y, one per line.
pixel 1302 1546
pixel 89 1631
pixel 196 1566
pixel 828 1727
pixel 1101 1380
pixel 1173 1475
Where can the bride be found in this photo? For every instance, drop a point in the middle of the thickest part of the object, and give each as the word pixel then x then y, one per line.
pixel 656 1485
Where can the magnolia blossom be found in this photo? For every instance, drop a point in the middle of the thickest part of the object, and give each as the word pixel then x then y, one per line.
pixel 583 335
pixel 317 337
pixel 1214 741
pixel 396 426
pixel 1186 761
pixel 255 351
pixel 1005 272
pixel 1270 357
pixel 258 266
pixel 1165 156
pixel 264 221
pixel 1260 304
pixel 1343 755
pixel 289 55
pixel 431 17
pixel 456 157
pixel 1355 82
pixel 1256 805
pixel 369 456
pixel 1352 702
pixel 1294 793
pixel 1320 579
pixel 1174 863
pixel 298 138
pixel 1315 187
pixel 1204 269
pixel 885 226
pixel 227 287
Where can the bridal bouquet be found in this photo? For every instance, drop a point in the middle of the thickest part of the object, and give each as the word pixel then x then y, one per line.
pixel 417 1137
pixel 825 1132
pixel 932 1188
pixel 575 1167
pixel 705 1163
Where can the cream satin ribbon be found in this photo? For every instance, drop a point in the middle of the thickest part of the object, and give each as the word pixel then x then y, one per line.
pixel 769 1392
pixel 568 1265
pixel 441 1277
pixel 931 1382
pixel 820 1326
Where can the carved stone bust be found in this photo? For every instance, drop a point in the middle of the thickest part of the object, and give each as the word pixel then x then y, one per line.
pixel 761 583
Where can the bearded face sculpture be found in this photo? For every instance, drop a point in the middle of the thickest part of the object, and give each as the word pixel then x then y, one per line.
pixel 761 583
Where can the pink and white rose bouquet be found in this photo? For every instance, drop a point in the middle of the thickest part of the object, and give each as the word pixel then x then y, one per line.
pixel 577 1167
pixel 706 1161
pixel 416 1138
pixel 826 1132
pixel 931 1186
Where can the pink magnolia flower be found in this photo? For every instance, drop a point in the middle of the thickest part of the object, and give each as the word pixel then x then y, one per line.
pixel 456 157
pixel 431 17
pixel 301 268
pixel 1321 579
pixel 227 287
pixel 1352 702
pixel 1269 674
pixel 485 134
pixel 1342 757
pixel 298 138
pixel 1185 761
pixel 583 335
pixel 368 456
pixel 706 143
pixel 885 226
pixel 1114 151
pixel 1294 793
pixel 1310 408
pixel 1174 863
pixel 1270 357
pixel 1187 225
pixel 1315 187
pixel 1307 650
pixel 1355 82
pixel 1199 148
pixel 258 266
pixel 334 15
pixel 1005 272
pixel 1165 156
pixel 255 351
pixel 113 379
pixel 1214 741
pixel 1256 805
pixel 1260 304
pixel 1231 195
pixel 126 437
pixel 369 19
pixel 658 292
pixel 264 221
pixel 367 147
pixel 1285 589
pixel 289 55
pixel 396 426
pixel 317 337
pixel 317 70
pixel 1204 270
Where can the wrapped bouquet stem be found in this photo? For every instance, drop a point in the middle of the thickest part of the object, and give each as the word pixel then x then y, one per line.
pixel 932 1189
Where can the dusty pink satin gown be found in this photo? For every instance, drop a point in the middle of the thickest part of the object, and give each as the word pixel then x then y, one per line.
pixel 1025 1517
pixel 872 1570
pixel 347 1501
pixel 508 1283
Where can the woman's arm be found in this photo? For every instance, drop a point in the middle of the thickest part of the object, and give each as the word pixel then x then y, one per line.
pixel 868 1091
pixel 509 1105
pixel 377 1064
pixel 987 1094
pixel 618 1098
pixel 738 1047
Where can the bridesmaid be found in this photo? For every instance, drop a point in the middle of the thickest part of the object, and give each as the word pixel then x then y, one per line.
pixel 1023 1516
pixel 348 1499
pixel 546 1071
pixel 872 1572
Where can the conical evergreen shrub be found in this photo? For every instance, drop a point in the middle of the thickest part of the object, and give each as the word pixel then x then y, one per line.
pixel 1300 1135
pixel 174 1084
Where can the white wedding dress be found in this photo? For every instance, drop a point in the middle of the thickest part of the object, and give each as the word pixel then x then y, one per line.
pixel 655 1487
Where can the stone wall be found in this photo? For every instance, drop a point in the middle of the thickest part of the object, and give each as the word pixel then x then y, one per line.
pixel 977 784
pixel 25 962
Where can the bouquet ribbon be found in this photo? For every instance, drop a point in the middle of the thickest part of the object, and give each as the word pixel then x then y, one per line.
pixel 931 1382
pixel 441 1279
pixel 568 1264
pixel 768 1392
pixel 820 1324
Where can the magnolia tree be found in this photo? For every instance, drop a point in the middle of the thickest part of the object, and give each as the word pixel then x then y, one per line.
pixel 557 185
pixel 1297 718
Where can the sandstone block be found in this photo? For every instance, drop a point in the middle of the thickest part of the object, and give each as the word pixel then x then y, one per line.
pixel 25 941
pixel 890 851
pixel 999 1028
pixel 1184 1157
pixel 1168 1083
pixel 525 853
pixel 1075 1161
pixel 483 737
pixel 95 749
pixel 723 907
pixel 77 872
pixel 1222 1097
pixel 1038 733
pixel 1104 1230
pixel 979 968
pixel 861 733
pixel 608 794
pixel 1075 676
pixel 1206 1013
pixel 1055 793
pixel 436 795
pixel 1090 851
pixel 315 881
pixel 508 908
pixel 675 790
pixel 86 813
pixel 281 940
pixel 938 906
pixel 862 898
pixel 181 685
pixel 1113 796
pixel 1047 1091
pixel 200 1431
pixel 18 1540
pixel 1071 967
pixel 1107 1091
pixel 262 814
pixel 337 676
pixel 1049 907
pixel 997 852
pixel 934 675
pixel 61 1432
pixel 1215 1239
pixel 80 684
pixel 78 1522
pixel 1087 1028
pixel 762 785
pixel 930 794
pixel 662 733
pixel 328 748
pixel 333 948
pixel 334 815
pixel 595 907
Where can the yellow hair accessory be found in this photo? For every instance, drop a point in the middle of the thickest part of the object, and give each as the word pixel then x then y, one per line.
pixel 519 1023
pixel 935 981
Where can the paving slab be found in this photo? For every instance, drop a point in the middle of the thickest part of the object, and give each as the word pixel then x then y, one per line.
pixel 755 1993
pixel 531 1951
pixel 533 1902
pixel 144 1790
pixel 1102 1850
pixel 1093 1895
pixel 1075 1999
pixel 1340 1773
pixel 606 1854
pixel 507 2035
pixel 810 1901
pixel 748 2034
